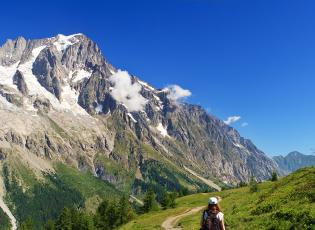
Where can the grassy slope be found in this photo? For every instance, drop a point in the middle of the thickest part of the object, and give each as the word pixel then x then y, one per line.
pixel 153 220
pixel 91 188
pixel 85 182
pixel 274 206
pixel 43 199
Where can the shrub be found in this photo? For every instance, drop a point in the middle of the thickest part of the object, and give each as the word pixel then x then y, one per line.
pixel 242 184
pixel 274 176
pixel 149 201
pixel 168 200
pixel 253 186
pixel 261 209
pixel 111 214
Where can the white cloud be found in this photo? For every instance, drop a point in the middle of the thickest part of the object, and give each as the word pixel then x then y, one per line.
pixel 127 93
pixel 177 93
pixel 232 119
pixel 244 124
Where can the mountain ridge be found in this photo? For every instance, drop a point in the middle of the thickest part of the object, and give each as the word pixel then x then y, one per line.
pixel 293 161
pixel 62 102
pixel 75 106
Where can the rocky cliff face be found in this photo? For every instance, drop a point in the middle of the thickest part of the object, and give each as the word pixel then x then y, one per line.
pixel 293 161
pixel 60 100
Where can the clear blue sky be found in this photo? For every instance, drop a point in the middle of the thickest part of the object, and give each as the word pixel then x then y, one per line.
pixel 254 58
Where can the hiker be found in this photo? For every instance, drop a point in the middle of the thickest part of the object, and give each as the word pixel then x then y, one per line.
pixel 212 217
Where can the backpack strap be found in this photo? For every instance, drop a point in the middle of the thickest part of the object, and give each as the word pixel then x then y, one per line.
pixel 204 214
pixel 204 220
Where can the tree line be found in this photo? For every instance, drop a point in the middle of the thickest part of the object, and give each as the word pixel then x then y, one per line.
pixel 110 214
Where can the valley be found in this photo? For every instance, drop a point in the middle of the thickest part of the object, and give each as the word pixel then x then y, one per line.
pixel 77 132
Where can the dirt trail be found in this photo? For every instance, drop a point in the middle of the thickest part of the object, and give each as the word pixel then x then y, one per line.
pixel 170 222
pixel 5 208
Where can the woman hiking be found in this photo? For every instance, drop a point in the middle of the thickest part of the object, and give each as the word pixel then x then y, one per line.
pixel 212 217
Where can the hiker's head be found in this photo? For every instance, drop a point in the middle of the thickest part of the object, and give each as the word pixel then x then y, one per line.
pixel 213 205
pixel 213 200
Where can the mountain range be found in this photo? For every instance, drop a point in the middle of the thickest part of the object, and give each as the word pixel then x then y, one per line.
pixel 65 80
pixel 65 110
pixel 293 161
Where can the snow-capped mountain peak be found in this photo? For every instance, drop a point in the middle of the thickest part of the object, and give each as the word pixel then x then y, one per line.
pixel 67 79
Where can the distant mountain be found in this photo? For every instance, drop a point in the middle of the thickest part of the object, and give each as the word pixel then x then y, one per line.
pixel 293 161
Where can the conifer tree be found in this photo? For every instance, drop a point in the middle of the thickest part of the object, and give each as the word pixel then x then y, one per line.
pixel 64 221
pixel 149 202
pixel 168 200
pixel 50 225
pixel 27 225
pixel 274 176
pixel 253 186
pixel 125 210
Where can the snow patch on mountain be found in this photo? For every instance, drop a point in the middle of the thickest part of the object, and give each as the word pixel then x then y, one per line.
pixel 69 97
pixel 160 106
pixel 6 75
pixel 69 101
pixel 63 42
pixel 80 75
pixel 33 85
pixel 132 118
pixel 112 71
pixel 238 145
pixel 99 108
pixel 162 130
pixel 5 105
pixel 146 85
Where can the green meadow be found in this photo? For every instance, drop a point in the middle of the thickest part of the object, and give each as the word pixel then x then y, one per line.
pixel 284 204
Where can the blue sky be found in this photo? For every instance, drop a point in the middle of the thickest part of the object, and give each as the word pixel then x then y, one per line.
pixel 254 59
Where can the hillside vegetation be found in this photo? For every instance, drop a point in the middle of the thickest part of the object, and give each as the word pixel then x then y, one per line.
pixel 43 199
pixel 284 204
pixel 4 221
